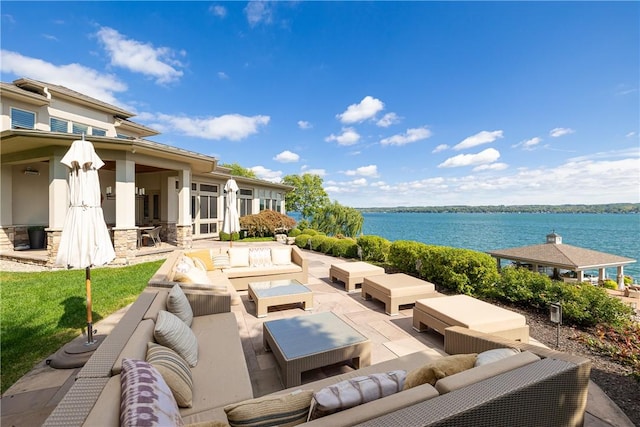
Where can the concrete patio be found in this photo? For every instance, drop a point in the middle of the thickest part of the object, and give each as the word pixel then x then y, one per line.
pixel 32 398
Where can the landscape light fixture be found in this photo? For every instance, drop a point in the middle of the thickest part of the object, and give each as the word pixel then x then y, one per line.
pixel 360 253
pixel 555 312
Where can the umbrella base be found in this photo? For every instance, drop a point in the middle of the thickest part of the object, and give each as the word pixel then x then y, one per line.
pixel 75 354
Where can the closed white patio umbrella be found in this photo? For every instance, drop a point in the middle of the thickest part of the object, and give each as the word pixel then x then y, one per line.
pixel 231 223
pixel 85 239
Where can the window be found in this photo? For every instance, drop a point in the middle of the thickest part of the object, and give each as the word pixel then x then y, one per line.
pixel 98 132
pixel 209 188
pixel 123 136
pixel 21 119
pixel 79 129
pixel 59 125
pixel 246 202
pixel 156 206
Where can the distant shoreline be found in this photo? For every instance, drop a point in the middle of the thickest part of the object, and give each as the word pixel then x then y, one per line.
pixel 610 208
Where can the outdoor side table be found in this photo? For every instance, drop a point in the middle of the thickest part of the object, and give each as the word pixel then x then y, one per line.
pixel 279 292
pixel 308 342
pixel 353 273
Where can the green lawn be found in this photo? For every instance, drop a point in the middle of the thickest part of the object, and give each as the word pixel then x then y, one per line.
pixel 40 312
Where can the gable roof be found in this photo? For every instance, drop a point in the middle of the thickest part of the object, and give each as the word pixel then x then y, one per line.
pixel 562 256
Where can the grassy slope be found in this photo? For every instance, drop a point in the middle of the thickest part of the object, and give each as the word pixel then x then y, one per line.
pixel 40 312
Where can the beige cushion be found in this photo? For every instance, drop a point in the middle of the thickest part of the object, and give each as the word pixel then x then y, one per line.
pixel 280 410
pixel 355 391
pixel 203 255
pixel 145 397
pixel 433 371
pixel 281 256
pixel 178 304
pixel 238 257
pixel 175 371
pixel 172 332
pixel 221 261
pixel 494 355
pixel 136 346
pixel 192 276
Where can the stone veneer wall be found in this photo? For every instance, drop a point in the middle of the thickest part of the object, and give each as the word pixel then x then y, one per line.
pixel 13 236
pixel 125 242
pixel 169 233
pixel 184 237
pixel 53 244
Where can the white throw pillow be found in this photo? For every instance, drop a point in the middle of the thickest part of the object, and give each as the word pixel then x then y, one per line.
pixel 193 276
pixel 259 257
pixel 239 257
pixel 281 256
pixel 495 355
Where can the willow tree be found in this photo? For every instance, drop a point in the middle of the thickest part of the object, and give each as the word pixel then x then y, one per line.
pixel 334 219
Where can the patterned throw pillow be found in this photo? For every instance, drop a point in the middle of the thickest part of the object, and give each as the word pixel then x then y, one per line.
pixel 355 391
pixel 259 257
pixel 174 370
pixel 172 332
pixel 440 368
pixel 178 304
pixel 221 261
pixel 273 410
pixel 145 398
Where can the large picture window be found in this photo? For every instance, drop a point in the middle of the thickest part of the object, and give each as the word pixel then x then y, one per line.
pixel 204 208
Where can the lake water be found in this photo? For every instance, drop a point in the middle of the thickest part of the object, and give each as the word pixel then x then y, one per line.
pixel 612 233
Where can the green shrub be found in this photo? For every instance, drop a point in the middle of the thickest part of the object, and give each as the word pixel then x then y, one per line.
pixel 610 284
pixel 403 255
pixel 317 241
pixel 295 232
pixel 309 231
pixel 346 248
pixel 302 241
pixel 521 286
pixel 374 248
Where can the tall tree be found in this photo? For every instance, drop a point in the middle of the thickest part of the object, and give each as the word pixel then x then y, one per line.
pixel 237 170
pixel 307 196
pixel 334 219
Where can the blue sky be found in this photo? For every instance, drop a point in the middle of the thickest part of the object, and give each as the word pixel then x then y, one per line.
pixel 392 103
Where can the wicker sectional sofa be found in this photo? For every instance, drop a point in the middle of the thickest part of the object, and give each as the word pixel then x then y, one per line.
pixel 538 384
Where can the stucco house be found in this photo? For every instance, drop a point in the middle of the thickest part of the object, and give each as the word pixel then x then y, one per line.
pixel 144 182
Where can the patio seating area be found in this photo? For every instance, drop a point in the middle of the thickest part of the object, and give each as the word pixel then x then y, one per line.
pixel 30 400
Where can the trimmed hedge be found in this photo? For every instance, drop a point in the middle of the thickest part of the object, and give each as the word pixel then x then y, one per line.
pixel 374 248
pixel 302 241
pixel 345 248
pixel 294 232
pixel 224 237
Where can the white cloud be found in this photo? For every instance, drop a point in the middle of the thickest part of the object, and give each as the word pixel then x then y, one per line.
pixel 489 155
pixel 556 132
pixel 631 134
pixel 411 135
pixel 349 136
pixel 259 11
pixel 529 144
pixel 479 138
pixel 287 157
pixel 303 124
pixel 222 75
pixel 371 171
pixel 388 120
pixel 319 172
pixel 267 174
pixel 439 148
pixel 219 11
pixel 229 126
pixel 366 109
pixel 73 76
pixel 140 57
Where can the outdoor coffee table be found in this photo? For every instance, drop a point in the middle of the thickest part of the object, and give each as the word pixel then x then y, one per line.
pixel 279 292
pixel 308 342
pixel 397 289
pixel 353 273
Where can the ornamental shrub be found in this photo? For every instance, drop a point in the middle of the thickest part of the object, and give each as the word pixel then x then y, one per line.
pixel 302 241
pixel 295 232
pixel 317 241
pixel 266 223
pixel 309 231
pixel 374 248
pixel 224 237
pixel 520 286
pixel 403 255
pixel 610 284
pixel 346 248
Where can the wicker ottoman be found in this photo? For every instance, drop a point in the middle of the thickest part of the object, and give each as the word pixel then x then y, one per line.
pixel 395 290
pixel 471 313
pixel 353 273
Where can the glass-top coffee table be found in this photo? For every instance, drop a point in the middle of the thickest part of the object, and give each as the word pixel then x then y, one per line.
pixel 279 292
pixel 309 342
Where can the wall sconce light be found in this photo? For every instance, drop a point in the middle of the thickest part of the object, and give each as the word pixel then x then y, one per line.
pixel 140 192
pixel 110 195
pixel 31 171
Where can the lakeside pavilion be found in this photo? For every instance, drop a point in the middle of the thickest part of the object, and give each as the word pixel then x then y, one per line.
pixel 559 256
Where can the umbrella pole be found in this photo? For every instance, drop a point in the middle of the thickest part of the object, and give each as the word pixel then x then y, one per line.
pixel 89 308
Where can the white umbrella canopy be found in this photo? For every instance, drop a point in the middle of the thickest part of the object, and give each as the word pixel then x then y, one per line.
pixel 85 240
pixel 231 223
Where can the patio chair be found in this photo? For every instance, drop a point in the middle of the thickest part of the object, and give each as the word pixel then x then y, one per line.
pixel 153 234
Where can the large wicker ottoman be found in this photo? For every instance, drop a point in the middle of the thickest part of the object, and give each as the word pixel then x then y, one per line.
pixel 353 273
pixel 471 313
pixel 395 290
